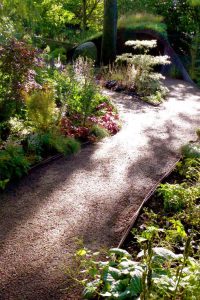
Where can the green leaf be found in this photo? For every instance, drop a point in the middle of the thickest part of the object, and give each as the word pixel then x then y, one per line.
pixel 136 282
pixel 119 252
pixel 163 253
pixel 115 273
pixel 3 183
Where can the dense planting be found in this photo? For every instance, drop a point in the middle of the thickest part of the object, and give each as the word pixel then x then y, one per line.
pixel 44 109
pixel 162 261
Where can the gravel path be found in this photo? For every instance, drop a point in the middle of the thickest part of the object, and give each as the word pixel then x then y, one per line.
pixel 90 196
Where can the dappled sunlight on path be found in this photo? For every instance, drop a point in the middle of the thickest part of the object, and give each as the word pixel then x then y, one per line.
pixel 92 195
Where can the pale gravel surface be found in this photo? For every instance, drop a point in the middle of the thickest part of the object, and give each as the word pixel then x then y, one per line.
pixel 91 196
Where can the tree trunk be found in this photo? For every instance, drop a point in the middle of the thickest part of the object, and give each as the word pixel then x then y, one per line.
pixel 109 39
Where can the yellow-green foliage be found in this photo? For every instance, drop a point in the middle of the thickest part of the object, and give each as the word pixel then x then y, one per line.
pixel 41 109
pixel 142 21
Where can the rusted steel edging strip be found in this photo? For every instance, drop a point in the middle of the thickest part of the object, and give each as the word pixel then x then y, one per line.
pixel 45 162
pixel 146 199
pixel 52 158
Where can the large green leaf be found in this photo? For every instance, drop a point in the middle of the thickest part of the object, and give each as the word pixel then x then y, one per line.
pixel 136 282
pixel 163 253
pixel 119 252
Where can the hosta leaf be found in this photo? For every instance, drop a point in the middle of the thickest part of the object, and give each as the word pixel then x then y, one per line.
pixel 163 253
pixel 127 263
pixel 136 282
pixel 141 239
pixel 107 277
pixel 164 281
pixel 91 289
pixel 122 284
pixel 115 273
pixel 119 252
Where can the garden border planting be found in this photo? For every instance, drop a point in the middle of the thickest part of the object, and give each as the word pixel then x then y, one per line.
pixel 144 202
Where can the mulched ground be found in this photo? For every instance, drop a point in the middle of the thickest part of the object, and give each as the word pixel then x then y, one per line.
pixel 91 196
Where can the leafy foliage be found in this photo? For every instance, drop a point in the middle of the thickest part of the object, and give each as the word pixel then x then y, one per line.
pixel 41 109
pixel 178 196
pixel 99 131
pixel 146 82
pixel 142 20
pixel 49 107
pixel 51 142
pixel 13 164
pixel 190 169
pixel 191 150
pixel 158 273
pixel 17 61
pixel 166 250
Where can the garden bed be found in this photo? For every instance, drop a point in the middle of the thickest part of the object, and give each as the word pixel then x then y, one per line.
pixel 160 252
pixel 127 237
pixel 53 112
pixel 174 217
pixel 172 206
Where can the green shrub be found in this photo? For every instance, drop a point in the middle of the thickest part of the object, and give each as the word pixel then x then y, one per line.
pixel 19 129
pixel 64 145
pixel 191 150
pixel 189 168
pixel 13 164
pixel 42 144
pixel 99 131
pixel 178 196
pixel 58 53
pixel 4 130
pixel 60 81
pixel 41 109
pixel 84 97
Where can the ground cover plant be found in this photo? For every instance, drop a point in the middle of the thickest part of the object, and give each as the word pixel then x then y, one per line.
pixel 162 256
pixel 136 72
pixel 47 110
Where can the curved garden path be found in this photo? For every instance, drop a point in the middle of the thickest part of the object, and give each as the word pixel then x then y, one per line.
pixel 91 195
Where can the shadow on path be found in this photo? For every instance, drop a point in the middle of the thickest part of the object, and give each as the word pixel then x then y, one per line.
pixel 91 196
